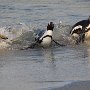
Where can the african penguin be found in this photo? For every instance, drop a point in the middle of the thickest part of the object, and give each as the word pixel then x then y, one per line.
pixel 44 38
pixel 81 30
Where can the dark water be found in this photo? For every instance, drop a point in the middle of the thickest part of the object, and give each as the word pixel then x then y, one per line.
pixel 43 69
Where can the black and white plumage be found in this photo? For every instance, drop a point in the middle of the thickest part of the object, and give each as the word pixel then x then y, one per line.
pixel 81 30
pixel 44 38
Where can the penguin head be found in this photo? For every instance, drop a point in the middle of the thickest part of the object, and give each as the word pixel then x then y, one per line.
pixel 50 26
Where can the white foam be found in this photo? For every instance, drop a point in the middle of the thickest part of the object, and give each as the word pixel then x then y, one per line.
pixel 12 32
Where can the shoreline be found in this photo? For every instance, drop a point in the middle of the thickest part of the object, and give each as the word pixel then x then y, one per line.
pixel 77 85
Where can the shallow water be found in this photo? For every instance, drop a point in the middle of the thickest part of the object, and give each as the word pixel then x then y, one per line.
pixel 39 69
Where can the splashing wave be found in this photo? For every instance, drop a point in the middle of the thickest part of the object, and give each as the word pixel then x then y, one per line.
pixel 20 35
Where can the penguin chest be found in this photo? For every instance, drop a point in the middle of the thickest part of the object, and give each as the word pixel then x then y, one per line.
pixel 46 41
pixel 87 35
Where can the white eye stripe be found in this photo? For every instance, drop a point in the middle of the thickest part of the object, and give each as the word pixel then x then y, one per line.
pixel 75 28
pixel 88 26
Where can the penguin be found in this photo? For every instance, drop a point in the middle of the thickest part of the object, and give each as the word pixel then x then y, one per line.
pixel 81 30
pixel 44 38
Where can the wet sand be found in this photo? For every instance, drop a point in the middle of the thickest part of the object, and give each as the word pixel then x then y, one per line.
pixel 78 85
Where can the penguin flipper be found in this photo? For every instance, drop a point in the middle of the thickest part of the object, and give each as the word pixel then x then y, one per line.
pixel 57 43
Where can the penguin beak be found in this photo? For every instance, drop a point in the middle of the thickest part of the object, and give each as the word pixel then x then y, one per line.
pixel 3 37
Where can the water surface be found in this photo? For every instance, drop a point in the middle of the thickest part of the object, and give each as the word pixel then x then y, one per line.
pixel 39 69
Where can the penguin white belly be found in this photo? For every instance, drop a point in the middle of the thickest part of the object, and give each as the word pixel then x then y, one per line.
pixel 46 42
pixel 87 35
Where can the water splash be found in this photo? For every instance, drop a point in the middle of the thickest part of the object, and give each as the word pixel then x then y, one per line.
pixel 21 35
pixel 15 34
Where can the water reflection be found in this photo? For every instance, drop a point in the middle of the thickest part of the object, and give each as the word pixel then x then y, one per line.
pixel 49 56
